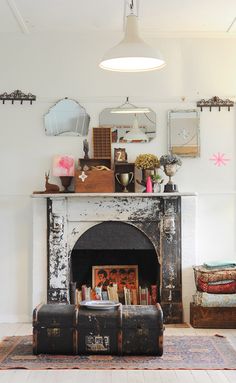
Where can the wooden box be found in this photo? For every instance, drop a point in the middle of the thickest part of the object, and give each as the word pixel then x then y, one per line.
pixel 94 181
pixel 93 162
pixel 102 142
pixel 212 317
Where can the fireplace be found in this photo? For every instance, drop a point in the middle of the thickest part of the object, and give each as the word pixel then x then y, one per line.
pixel 116 229
pixel 115 244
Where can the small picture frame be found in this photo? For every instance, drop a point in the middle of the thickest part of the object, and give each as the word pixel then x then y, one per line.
pixel 120 155
pixel 122 275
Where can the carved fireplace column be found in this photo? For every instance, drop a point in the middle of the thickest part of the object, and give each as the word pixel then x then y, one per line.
pixel 57 290
pixel 171 290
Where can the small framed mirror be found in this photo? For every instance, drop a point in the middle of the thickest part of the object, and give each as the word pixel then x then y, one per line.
pixel 184 132
pixel 66 118
pixel 129 123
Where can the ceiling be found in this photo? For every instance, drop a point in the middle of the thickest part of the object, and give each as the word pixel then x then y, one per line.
pixel 156 17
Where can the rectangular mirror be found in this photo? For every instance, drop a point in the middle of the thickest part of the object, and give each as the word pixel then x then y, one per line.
pixel 184 132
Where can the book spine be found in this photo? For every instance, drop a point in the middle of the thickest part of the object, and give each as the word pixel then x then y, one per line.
pixel 134 297
pixel 83 288
pixel 143 296
pixel 125 295
pixel 98 293
pixel 78 296
pixel 139 295
pixel 88 293
pixel 104 295
pixel 153 294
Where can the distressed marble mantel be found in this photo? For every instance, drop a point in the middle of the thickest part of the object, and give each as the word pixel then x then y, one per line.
pixel 70 215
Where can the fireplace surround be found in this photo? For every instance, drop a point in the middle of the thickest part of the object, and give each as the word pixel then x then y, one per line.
pixel 158 227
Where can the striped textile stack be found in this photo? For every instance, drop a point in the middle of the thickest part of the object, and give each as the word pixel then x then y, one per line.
pixel 215 284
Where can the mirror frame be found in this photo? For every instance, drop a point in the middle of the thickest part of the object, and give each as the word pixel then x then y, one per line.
pixel 190 133
pixel 66 118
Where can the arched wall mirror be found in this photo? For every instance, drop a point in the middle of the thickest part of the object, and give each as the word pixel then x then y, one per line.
pixel 184 132
pixel 129 123
pixel 66 118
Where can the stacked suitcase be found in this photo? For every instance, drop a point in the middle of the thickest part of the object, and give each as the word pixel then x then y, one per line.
pixel 214 303
pixel 123 330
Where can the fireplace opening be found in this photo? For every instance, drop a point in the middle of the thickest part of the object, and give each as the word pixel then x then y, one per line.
pixel 83 261
pixel 115 244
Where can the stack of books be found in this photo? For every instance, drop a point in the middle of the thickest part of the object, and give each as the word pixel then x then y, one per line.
pixel 142 296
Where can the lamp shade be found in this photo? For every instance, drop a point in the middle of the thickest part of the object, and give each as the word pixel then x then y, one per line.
pixel 134 110
pixel 132 54
pixel 135 134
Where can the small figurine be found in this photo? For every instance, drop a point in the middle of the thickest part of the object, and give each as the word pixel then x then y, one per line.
pixel 86 149
pixel 50 188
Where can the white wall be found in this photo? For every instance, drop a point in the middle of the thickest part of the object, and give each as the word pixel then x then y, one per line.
pixel 59 65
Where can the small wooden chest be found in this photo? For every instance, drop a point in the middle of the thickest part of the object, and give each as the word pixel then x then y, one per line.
pixel 94 181
pixel 54 329
pixel 212 317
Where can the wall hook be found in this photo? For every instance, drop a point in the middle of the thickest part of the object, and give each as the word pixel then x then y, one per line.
pixel 215 102
pixel 17 95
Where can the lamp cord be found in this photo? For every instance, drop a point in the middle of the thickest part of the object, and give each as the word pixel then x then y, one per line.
pixel 131 7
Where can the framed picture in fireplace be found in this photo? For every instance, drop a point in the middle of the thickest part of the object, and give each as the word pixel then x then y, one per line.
pixel 122 275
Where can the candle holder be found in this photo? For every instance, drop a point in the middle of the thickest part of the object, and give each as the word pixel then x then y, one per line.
pixel 66 181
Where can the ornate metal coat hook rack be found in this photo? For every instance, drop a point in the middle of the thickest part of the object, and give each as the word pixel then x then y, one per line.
pixel 215 102
pixel 17 95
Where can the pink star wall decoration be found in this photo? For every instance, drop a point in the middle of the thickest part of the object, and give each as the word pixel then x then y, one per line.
pixel 219 159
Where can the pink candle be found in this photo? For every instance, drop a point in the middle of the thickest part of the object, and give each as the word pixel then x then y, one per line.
pixel 63 166
pixel 149 185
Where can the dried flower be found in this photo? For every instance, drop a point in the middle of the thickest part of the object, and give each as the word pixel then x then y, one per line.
pixel 169 159
pixel 147 161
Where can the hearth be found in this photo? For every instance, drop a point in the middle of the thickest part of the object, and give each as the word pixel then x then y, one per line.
pixel 116 244
pixel 85 230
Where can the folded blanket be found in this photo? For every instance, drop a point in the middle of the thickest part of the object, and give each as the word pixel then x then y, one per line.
pixel 216 264
pixel 214 300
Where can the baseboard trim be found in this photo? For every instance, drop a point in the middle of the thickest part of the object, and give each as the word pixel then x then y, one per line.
pixel 15 319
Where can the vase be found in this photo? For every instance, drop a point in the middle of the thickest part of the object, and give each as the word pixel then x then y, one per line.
pixel 156 187
pixel 145 174
pixel 170 170
pixel 66 181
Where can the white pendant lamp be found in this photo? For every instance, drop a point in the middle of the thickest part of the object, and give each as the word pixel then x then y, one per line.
pixel 132 54
pixel 135 134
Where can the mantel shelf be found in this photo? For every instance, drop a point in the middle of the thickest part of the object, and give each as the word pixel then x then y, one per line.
pixel 125 195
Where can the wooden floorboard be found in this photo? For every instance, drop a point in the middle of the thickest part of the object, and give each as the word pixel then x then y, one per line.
pixel 120 376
